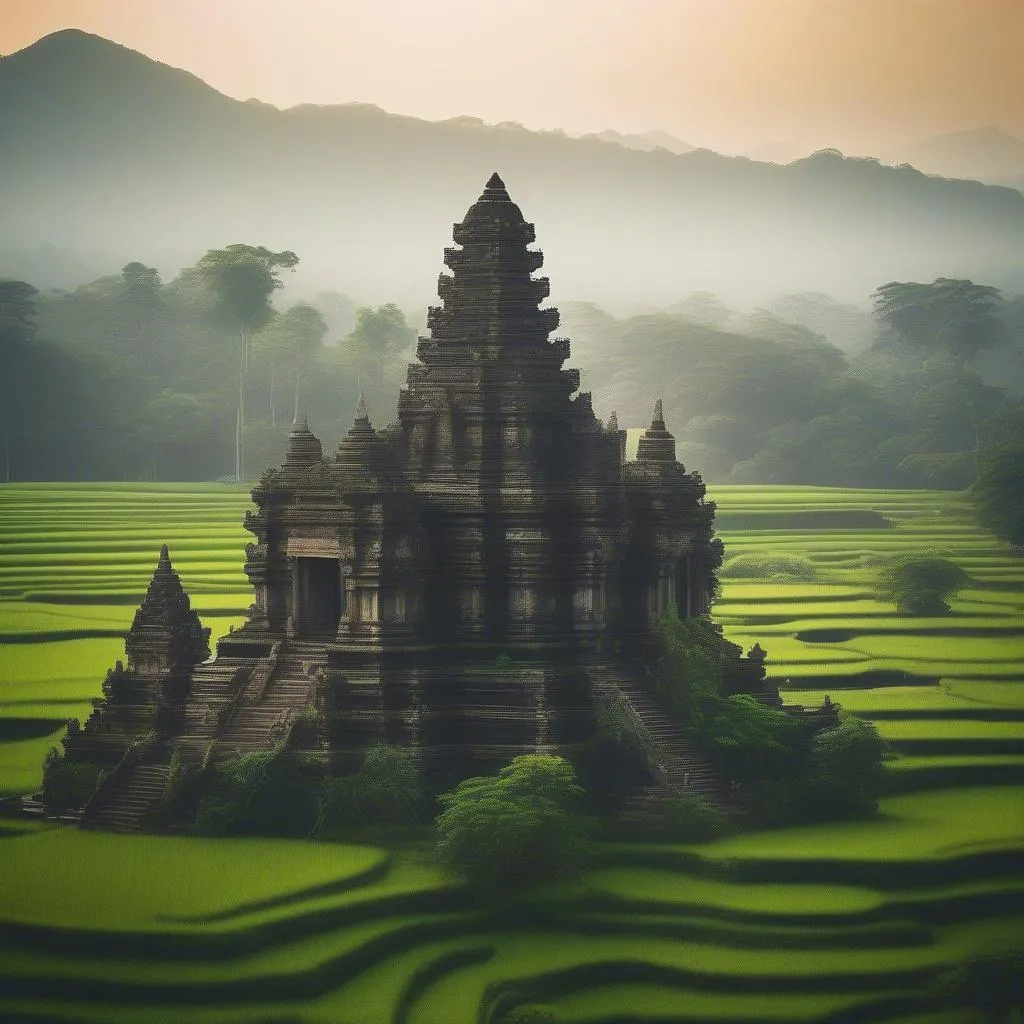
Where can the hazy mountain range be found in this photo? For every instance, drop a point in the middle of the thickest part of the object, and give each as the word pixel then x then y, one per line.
pixel 986 154
pixel 982 154
pixel 645 141
pixel 108 156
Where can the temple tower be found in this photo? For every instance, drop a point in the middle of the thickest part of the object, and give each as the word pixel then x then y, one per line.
pixel 165 643
pixel 517 479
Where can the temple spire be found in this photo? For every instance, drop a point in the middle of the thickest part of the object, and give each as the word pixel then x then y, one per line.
pixel 362 416
pixel 613 422
pixel 658 423
pixel 657 444
pixel 361 452
pixel 304 446
pixel 495 192
pixel 166 632
pixel 491 293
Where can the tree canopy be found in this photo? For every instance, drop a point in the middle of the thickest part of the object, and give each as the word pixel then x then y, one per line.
pixel 518 828
pixel 956 315
pixel 17 329
pixel 998 493
pixel 378 335
pixel 243 277
pixel 919 584
pixel 386 790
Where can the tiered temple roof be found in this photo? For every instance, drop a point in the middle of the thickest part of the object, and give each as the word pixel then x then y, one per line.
pixel 165 642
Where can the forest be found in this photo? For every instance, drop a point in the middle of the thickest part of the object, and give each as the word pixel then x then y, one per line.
pixel 130 377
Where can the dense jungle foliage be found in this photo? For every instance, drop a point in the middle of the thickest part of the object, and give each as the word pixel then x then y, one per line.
pixel 132 378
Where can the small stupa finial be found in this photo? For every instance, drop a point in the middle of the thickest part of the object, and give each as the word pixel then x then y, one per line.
pixel 494 181
pixel 301 423
pixel 362 416
pixel 613 422
pixel 659 416
pixel 164 561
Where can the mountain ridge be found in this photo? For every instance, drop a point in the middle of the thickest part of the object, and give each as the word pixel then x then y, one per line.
pixel 111 152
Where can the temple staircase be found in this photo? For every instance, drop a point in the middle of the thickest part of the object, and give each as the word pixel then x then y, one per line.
pixel 133 793
pixel 267 708
pixel 215 686
pixel 682 768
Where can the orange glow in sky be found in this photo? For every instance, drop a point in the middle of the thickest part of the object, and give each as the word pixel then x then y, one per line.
pixel 861 75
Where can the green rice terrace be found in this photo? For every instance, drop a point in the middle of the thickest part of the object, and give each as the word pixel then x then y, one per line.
pixel 840 922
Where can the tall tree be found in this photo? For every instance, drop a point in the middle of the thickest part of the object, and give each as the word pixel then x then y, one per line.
pixel 299 331
pixel 957 315
pixel 379 334
pixel 243 277
pixel 17 329
pixel 141 298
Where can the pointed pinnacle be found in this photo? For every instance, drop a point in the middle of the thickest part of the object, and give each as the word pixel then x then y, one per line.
pixel 613 422
pixel 361 413
pixel 301 424
pixel 659 415
pixel 494 181
pixel 164 562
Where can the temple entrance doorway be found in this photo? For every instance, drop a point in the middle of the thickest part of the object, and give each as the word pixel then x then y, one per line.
pixel 319 596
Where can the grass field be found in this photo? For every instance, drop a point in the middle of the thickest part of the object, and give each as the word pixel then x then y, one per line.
pixel 837 923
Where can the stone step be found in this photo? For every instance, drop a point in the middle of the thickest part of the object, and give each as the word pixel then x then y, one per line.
pixel 684 768
pixel 130 796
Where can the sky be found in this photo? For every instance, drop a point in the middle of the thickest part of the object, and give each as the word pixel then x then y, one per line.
pixel 864 76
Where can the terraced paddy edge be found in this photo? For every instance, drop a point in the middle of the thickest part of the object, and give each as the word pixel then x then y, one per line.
pixel 277 930
pixel 829 923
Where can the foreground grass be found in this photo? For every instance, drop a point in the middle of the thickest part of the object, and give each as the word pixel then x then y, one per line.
pixel 76 879
pixel 325 932
pixel 912 827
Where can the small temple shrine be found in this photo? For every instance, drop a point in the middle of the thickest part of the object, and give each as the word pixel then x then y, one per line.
pixel 464 582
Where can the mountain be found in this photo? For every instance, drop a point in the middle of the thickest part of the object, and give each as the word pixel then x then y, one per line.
pixel 986 154
pixel 109 156
pixel 776 152
pixel 644 142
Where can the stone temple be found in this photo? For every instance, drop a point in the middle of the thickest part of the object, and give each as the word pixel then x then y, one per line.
pixel 466 581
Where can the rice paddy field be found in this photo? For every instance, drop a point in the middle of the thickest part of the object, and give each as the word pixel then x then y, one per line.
pixel 842 922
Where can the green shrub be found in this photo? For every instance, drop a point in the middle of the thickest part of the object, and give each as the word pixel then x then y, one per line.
pixel 751 741
pixel 67 785
pixel 690 818
pixel 516 829
pixel 919 584
pixel 621 752
pixel 845 772
pixel 692 664
pixel 262 793
pixel 769 567
pixel 840 775
pixel 387 790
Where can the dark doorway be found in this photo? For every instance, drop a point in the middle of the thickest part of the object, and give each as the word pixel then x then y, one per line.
pixel 318 596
